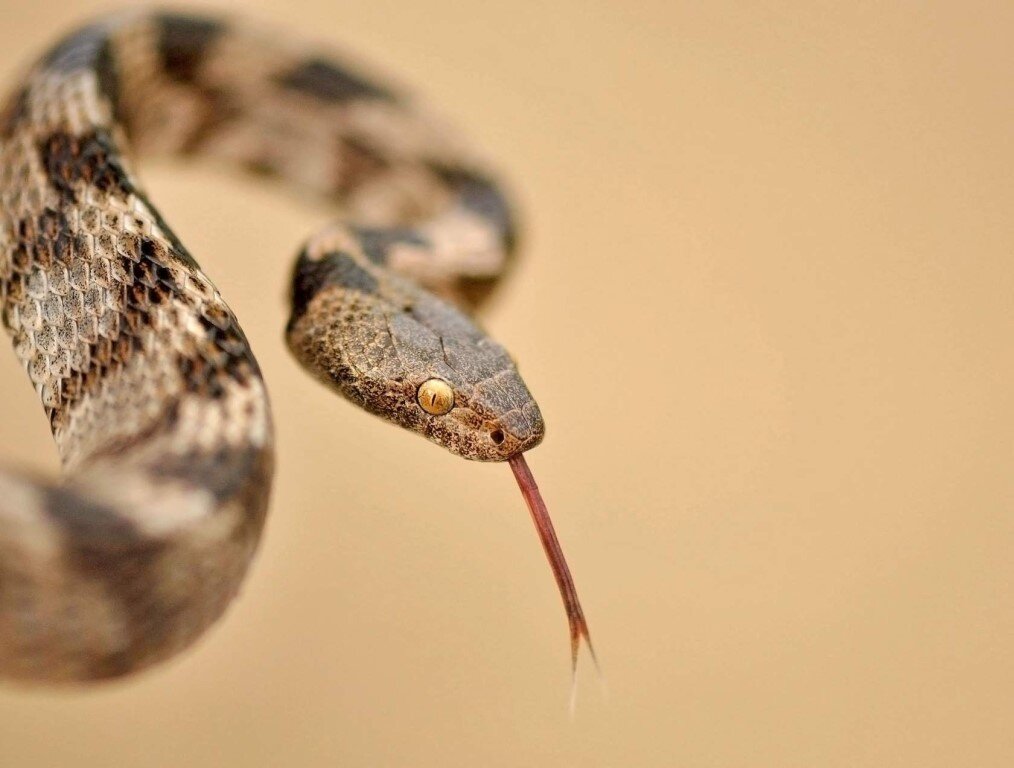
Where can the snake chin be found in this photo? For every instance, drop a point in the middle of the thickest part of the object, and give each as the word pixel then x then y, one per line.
pixel 378 338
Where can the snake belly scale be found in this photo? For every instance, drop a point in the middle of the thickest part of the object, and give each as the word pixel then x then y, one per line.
pixel 156 403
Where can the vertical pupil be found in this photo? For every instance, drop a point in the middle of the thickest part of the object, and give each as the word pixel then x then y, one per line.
pixel 435 396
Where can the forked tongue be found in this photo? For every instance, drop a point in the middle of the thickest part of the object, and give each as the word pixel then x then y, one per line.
pixel 543 524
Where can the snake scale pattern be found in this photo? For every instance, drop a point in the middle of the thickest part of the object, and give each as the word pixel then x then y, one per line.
pixel 156 402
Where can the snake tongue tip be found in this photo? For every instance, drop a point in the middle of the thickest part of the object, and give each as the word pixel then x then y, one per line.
pixel 579 632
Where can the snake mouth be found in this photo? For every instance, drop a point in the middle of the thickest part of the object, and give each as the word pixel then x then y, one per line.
pixel 510 447
pixel 517 432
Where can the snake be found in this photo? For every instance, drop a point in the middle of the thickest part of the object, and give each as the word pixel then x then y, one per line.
pixel 155 400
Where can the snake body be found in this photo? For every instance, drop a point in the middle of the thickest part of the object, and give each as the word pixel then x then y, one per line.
pixel 156 403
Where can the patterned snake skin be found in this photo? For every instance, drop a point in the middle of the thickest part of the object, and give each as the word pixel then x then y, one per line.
pixel 157 406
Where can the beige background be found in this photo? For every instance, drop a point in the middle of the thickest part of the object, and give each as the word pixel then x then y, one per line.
pixel 766 306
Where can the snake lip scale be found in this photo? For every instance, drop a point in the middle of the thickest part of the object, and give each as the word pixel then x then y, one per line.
pixel 154 397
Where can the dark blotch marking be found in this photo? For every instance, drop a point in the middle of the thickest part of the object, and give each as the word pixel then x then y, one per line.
pixel 358 162
pixel 199 376
pixel 91 158
pixel 224 353
pixel 94 159
pixel 240 475
pixel 224 473
pixel 219 109
pixel 227 339
pixel 377 242
pixel 347 273
pixel 41 241
pixel 184 42
pixel 153 284
pixel 104 356
pixel 84 521
pixel 103 547
pixel 261 166
pixel 326 81
pixel 36 243
pixel 165 423
pixel 179 252
pixel 109 78
pixel 479 194
pixel 310 276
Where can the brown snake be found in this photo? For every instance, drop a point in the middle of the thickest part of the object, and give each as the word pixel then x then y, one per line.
pixel 156 402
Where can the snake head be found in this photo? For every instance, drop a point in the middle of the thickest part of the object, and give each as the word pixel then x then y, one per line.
pixel 405 355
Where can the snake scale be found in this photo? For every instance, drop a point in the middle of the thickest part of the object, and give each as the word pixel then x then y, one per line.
pixel 156 402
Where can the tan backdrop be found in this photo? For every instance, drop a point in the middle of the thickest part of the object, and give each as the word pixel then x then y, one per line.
pixel 766 306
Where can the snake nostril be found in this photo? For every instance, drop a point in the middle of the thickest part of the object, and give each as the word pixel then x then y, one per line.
pixel 497 436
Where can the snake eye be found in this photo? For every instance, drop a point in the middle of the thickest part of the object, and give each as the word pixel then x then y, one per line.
pixel 435 396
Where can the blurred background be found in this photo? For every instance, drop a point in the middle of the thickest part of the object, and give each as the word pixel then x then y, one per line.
pixel 766 306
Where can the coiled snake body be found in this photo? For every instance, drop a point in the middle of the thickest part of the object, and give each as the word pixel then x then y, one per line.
pixel 155 399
